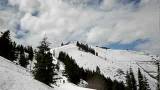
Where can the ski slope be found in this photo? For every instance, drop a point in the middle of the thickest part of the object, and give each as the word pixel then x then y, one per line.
pixel 113 63
pixel 15 77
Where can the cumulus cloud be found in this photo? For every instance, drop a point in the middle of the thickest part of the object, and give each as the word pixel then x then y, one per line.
pixel 102 22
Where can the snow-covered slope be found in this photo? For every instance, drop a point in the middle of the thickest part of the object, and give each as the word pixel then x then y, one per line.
pixel 15 77
pixel 113 63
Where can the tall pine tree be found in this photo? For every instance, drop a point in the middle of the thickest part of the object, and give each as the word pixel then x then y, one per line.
pixel 142 80
pixel 30 55
pixel 23 61
pixel 131 81
pixel 6 46
pixel 44 68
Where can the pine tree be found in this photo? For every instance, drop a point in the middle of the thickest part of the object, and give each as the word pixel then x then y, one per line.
pixel 140 79
pixel 130 80
pixel 133 80
pixel 31 55
pixel 146 85
pixel 44 68
pixel 23 61
pixel 5 45
pixel 143 84
pixel 12 52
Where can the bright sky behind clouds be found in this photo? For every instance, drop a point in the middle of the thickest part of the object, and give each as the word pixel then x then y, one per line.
pixel 97 22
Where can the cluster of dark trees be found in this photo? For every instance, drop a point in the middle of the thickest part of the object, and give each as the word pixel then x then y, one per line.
pixel 142 80
pixel 44 69
pixel 94 78
pixel 132 84
pixel 86 48
pixel 14 52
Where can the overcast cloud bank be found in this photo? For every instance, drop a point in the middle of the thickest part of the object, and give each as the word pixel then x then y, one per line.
pixel 98 22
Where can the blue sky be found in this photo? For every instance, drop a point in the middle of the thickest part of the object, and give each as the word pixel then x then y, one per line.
pixel 129 46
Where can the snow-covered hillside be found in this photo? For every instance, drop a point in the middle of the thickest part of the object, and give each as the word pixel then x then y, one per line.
pixel 113 63
pixel 15 77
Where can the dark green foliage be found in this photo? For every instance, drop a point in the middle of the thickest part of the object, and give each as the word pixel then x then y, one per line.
pixel 6 46
pixel 146 85
pixel 86 48
pixel 142 80
pixel 130 80
pixel 95 79
pixel 30 53
pixel 23 61
pixel 14 52
pixel 118 85
pixel 44 68
pixel 71 67
pixel 133 80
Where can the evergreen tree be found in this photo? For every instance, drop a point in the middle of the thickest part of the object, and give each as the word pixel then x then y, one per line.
pixel 140 79
pixel 143 84
pixel 94 79
pixel 30 55
pixel 23 61
pixel 6 45
pixel 118 85
pixel 86 48
pixel 146 85
pixel 130 80
pixel 133 80
pixel 44 68
pixel 12 52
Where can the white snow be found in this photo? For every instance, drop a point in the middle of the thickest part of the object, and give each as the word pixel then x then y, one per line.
pixel 69 86
pixel 112 61
pixel 15 77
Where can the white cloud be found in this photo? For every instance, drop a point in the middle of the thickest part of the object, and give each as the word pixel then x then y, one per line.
pixel 108 23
